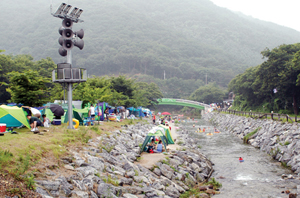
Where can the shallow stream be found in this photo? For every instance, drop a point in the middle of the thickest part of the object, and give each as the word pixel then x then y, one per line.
pixel 258 176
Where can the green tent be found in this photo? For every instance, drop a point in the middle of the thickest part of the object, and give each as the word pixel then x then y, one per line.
pixel 167 133
pixel 13 116
pixel 76 115
pixel 155 132
pixel 48 114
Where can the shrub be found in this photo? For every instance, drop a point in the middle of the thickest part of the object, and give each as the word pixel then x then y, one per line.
pixel 250 134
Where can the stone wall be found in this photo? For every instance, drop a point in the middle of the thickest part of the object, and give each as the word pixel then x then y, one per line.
pixel 107 167
pixel 280 140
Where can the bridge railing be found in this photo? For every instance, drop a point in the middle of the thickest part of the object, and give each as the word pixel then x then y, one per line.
pixel 190 102
pixel 273 116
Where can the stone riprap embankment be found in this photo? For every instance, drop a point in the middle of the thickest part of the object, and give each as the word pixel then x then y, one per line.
pixel 280 140
pixel 107 168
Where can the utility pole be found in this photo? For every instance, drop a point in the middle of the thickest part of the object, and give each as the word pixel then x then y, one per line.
pixel 164 74
pixel 65 73
pixel 206 79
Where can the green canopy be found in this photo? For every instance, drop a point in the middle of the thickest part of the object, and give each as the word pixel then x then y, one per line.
pixel 155 132
pixel 13 116
pixel 167 133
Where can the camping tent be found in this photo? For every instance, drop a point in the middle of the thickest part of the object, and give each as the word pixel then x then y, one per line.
pixel 155 132
pixel 48 113
pixel 13 116
pixel 136 112
pixel 76 115
pixel 167 133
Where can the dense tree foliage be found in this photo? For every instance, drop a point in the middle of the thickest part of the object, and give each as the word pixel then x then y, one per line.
pixel 20 84
pixel 273 85
pixel 208 94
pixel 28 88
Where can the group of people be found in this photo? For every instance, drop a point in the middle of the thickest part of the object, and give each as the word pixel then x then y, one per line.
pixel 35 122
pixel 153 148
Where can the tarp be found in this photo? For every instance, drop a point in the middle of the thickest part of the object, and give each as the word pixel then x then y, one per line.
pixel 167 133
pixel 155 132
pixel 13 116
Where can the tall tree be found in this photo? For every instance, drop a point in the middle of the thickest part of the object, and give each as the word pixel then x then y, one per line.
pixel 28 88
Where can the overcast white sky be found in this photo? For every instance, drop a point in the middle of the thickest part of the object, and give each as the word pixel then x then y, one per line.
pixel 282 12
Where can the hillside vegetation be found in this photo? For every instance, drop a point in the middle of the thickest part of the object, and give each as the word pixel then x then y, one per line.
pixel 187 39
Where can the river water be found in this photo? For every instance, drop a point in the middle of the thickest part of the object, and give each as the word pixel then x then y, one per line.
pixel 258 176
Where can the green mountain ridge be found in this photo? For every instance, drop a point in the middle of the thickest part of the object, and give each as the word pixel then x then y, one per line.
pixel 187 39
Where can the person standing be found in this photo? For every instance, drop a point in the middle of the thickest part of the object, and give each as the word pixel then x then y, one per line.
pixel 106 112
pixel 92 113
pixel 153 119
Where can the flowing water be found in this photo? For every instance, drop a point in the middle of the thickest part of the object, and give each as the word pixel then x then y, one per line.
pixel 258 176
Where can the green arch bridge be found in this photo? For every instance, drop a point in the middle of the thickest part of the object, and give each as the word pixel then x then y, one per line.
pixel 181 102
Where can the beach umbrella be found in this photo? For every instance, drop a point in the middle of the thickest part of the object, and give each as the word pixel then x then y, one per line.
pixel 165 113
pixel 57 110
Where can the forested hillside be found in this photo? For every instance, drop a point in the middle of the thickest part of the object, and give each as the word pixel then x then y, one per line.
pixel 188 39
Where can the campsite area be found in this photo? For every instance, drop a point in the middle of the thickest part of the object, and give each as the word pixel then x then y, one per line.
pixel 29 154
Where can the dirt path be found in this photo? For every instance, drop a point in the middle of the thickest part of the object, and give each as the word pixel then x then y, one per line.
pixel 150 159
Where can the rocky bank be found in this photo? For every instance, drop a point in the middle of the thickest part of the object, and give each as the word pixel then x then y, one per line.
pixel 280 140
pixel 107 167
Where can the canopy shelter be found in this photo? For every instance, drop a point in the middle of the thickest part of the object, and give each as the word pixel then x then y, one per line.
pixel 167 133
pixel 155 132
pixel 165 113
pixel 13 116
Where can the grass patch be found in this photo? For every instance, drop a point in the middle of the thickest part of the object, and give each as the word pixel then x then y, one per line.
pixel 250 134
pixel 215 183
pixel 193 192
pixel 109 180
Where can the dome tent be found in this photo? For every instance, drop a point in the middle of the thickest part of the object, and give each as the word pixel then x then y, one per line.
pixel 13 116
pixel 156 131
pixel 167 134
